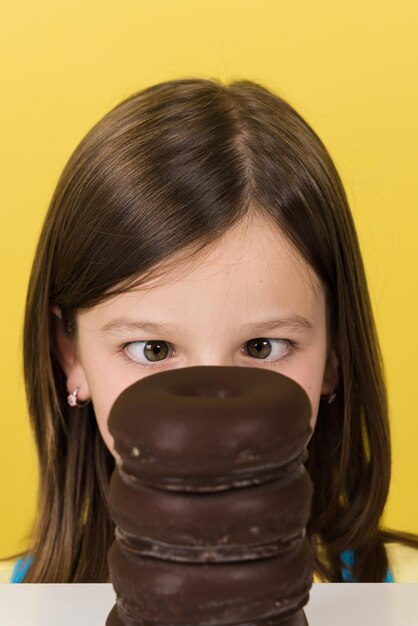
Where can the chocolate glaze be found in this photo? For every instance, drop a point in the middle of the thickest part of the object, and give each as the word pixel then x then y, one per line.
pixel 211 499
pixel 206 426
pixel 158 591
pixel 297 619
pixel 228 525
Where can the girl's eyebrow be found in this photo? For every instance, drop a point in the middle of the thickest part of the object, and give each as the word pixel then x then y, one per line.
pixel 291 322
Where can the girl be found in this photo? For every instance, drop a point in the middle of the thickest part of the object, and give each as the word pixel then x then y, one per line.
pixel 211 211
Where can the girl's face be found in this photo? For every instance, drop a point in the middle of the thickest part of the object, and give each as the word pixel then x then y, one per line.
pixel 228 308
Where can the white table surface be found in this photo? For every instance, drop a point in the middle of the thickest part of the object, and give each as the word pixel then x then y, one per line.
pixel 330 604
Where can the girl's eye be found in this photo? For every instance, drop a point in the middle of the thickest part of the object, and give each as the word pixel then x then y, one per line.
pixel 156 351
pixel 261 348
pixel 152 351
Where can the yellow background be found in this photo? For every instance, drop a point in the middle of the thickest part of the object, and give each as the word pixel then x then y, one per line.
pixel 349 68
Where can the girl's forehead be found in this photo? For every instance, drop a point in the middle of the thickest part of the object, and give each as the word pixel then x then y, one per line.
pixel 255 247
pixel 256 265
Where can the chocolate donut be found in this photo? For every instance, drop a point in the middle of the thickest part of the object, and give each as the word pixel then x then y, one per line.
pixel 211 499
pixel 161 592
pixel 206 427
pixel 230 525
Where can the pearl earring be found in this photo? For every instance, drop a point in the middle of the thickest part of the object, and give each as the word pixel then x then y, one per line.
pixel 329 398
pixel 72 399
pixel 332 397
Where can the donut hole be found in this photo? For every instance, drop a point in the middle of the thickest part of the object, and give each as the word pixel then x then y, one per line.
pixel 208 392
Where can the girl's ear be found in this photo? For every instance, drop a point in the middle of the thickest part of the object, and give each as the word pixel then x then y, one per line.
pixel 64 347
pixel 331 375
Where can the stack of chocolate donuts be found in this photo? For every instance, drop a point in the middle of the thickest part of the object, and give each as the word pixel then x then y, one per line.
pixel 211 499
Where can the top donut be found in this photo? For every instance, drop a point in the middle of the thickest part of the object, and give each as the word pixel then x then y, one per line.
pixel 209 427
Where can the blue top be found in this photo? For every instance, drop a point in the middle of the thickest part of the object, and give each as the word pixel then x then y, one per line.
pixel 348 558
pixel 20 569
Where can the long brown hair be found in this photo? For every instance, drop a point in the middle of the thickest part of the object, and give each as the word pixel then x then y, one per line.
pixel 169 170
